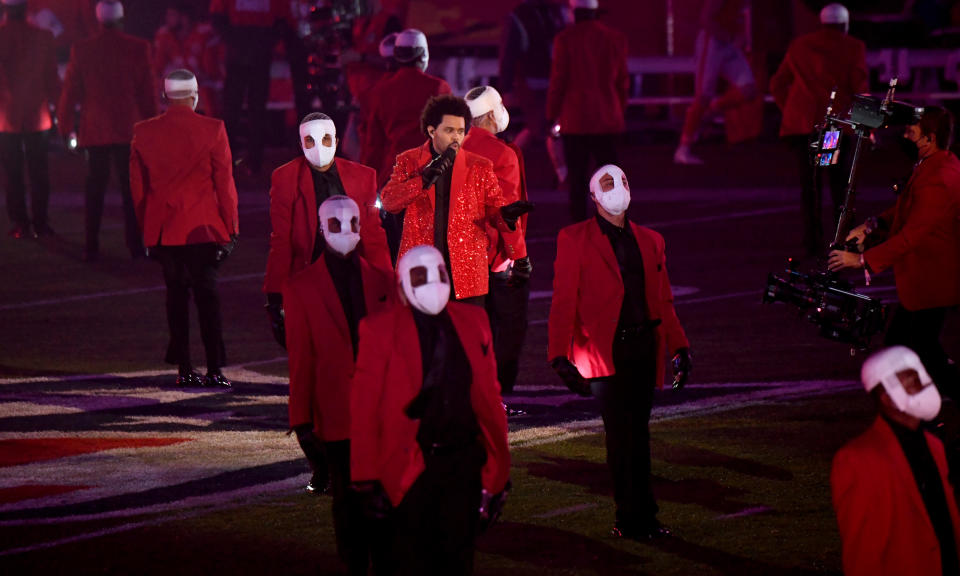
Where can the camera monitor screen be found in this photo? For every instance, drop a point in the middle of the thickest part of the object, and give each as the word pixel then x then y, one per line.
pixel 831 138
pixel 826 158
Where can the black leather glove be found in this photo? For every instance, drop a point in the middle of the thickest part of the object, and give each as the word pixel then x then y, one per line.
pixel 274 308
pixel 520 271
pixel 571 376
pixel 374 501
pixel 432 171
pixel 224 250
pixel 682 365
pixel 512 212
pixel 491 507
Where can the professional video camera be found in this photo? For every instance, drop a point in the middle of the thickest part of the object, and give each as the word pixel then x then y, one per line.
pixel 330 25
pixel 829 301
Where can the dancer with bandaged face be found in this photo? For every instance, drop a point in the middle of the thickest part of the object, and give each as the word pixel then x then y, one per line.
pixel 296 190
pixel 449 195
pixel 611 321
pixel 428 431
pixel 325 303
pixel 895 505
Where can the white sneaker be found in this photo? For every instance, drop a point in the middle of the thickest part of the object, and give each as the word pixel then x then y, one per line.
pixel 684 156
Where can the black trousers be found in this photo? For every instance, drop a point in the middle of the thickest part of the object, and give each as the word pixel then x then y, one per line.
pixel 436 524
pixel 15 150
pixel 811 191
pixel 626 399
pixel 507 308
pixel 578 150
pixel 99 159
pixel 920 330
pixel 249 55
pixel 359 540
pixel 185 268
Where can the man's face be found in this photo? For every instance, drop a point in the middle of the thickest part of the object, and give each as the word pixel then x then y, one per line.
pixel 309 142
pixel 450 132
pixel 926 143
pixel 910 380
pixel 606 182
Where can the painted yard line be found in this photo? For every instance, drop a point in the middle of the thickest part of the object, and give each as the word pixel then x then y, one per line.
pixel 753 511
pixel 112 293
pixel 238 372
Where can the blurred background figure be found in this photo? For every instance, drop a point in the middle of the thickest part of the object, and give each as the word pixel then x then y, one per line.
pixel 68 21
pixel 29 88
pixel 184 42
pixel 109 79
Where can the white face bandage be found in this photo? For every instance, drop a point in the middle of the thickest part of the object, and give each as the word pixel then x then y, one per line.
pixel 411 45
pixel 424 279
pixel 617 199
pixel 176 88
pixel 320 155
pixel 882 368
pixel 489 100
pixel 339 218
pixel 108 11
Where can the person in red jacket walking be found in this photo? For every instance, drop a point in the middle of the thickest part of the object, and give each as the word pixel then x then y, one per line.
pixel 297 189
pixel 895 506
pixel 428 432
pixel 324 304
pixel 920 240
pixel 815 65
pixel 181 179
pixel 611 320
pixel 588 96
pixel 109 78
pixel 29 86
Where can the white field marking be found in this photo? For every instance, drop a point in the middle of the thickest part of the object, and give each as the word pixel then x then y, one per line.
pixel 752 511
pixel 678 292
pixel 111 294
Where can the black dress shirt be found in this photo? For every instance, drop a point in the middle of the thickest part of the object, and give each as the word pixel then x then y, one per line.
pixel 345 273
pixel 325 185
pixel 633 311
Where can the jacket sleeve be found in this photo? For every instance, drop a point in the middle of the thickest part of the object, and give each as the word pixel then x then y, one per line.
pixel 300 351
pixel 862 522
pixel 223 181
pixel 566 287
pixel 483 177
pixel 558 80
pixel 859 78
pixel 404 186
pixel 280 256
pixel 373 146
pixel 444 88
pixel 137 189
pixel 146 86
pixel 676 338
pixel 71 95
pixel 50 74
pixel 366 390
pixel 931 209
pixel 491 415
pixel 781 80
pixel 375 248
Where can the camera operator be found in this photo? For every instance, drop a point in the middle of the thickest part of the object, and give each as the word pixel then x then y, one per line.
pixel 921 242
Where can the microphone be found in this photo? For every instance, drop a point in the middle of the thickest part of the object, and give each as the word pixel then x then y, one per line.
pixel 438 166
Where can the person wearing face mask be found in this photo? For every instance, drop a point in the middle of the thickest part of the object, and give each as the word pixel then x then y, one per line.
pixel 919 237
pixel 611 321
pixel 428 430
pixel 296 190
pixel 181 181
pixel 109 79
pixel 395 104
pixel 509 280
pixel 895 506
pixel 324 304
pixel 449 195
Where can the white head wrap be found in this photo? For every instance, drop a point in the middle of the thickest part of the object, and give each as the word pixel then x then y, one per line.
pixel 319 155
pixel 339 218
pixel 489 100
pixel 387 44
pixel 881 369
pixel 615 201
pixel 411 45
pixel 424 279
pixel 182 88
pixel 13 2
pixel 835 14
pixel 109 11
pixel 587 4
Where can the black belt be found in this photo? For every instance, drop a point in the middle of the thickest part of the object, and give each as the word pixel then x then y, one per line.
pixel 636 332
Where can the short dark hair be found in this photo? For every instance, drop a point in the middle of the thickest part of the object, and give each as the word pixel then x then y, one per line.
pixel 939 122
pixel 443 105
pixel 315 116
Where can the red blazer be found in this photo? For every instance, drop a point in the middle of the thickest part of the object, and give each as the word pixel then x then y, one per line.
pixel 588 293
pixel 395 104
pixel 109 77
pixel 589 80
pixel 383 440
pixel 507 167
pixel 293 215
pixel 319 346
pixel 29 83
pixel 78 18
pixel 816 63
pixel 884 525
pixel 475 200
pixel 923 245
pixel 181 178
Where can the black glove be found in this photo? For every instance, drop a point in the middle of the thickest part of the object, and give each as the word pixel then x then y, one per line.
pixel 432 171
pixel 224 250
pixel 682 365
pixel 274 308
pixel 571 376
pixel 512 212
pixel 491 507
pixel 374 501
pixel 520 271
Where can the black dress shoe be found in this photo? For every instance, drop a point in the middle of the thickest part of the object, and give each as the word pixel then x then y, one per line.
pixel 317 486
pixel 190 380
pixel 43 230
pixel 217 381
